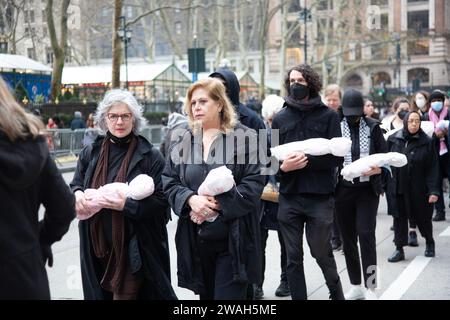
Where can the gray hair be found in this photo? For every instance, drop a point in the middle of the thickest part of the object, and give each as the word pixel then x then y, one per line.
pixel 113 97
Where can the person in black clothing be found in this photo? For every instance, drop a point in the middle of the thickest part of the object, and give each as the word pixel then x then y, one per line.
pixel 124 247
pixel 28 178
pixel 435 114
pixel 246 116
pixel 357 201
pixel 307 182
pixel 217 259
pixel 414 188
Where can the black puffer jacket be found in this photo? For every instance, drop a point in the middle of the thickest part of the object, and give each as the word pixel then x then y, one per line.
pixel 29 178
pixel 316 120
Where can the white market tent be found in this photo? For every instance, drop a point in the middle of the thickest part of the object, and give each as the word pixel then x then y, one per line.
pixel 103 73
pixel 153 82
pixel 9 62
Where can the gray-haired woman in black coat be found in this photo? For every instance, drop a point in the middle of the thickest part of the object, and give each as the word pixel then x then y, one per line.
pixel 414 188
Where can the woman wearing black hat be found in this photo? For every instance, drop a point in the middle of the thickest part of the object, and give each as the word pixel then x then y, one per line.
pixel 357 201
pixel 413 187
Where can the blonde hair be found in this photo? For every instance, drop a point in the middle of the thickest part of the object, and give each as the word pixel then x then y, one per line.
pixel 332 88
pixel 217 92
pixel 14 121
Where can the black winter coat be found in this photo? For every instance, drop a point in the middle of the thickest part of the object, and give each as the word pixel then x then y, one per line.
pixel 29 178
pixel 422 173
pixel 377 145
pixel 148 249
pixel 319 176
pixel 238 210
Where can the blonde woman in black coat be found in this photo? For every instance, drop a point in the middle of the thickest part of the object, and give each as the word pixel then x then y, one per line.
pixel 28 178
pixel 219 259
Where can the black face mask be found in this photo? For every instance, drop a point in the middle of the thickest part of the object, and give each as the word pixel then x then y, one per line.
pixel 299 91
pixel 353 120
pixel 402 114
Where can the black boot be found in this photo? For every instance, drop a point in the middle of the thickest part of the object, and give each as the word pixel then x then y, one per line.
pixel 397 256
pixel 429 250
pixel 258 292
pixel 283 289
pixel 412 239
pixel 439 216
pixel 336 292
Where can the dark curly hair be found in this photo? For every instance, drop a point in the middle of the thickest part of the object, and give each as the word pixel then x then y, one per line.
pixel 311 77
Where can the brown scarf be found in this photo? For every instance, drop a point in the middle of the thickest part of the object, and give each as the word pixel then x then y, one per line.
pixel 115 256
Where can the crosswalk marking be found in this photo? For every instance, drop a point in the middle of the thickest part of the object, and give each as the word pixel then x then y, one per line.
pixel 398 288
pixel 445 233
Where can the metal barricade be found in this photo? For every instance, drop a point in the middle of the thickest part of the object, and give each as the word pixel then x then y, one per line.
pixel 65 142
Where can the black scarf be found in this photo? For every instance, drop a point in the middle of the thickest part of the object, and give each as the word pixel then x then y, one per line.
pixel 305 106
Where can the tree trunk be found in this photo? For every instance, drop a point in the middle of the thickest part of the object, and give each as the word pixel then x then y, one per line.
pixel 116 45
pixel 59 49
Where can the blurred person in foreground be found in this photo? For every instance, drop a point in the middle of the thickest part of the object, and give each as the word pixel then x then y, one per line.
pixel 28 178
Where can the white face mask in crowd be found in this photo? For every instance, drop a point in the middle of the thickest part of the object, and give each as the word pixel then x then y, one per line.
pixel 421 103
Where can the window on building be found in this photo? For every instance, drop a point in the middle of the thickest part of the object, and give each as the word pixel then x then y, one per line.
pixel 31 15
pixel 380 51
pixel 381 78
pixel 31 53
pixel 419 47
pixel 251 65
pixel 44 16
pixel 323 5
pixel 294 6
pixel 178 27
pixel 68 57
pixel 379 2
pixel 3 47
pixel 44 31
pixel 421 74
pixel 354 80
pixel 49 55
pixel 418 21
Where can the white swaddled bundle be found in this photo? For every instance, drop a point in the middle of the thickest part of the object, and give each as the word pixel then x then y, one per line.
pixel 139 188
pixel 360 166
pixel 316 147
pixel 218 181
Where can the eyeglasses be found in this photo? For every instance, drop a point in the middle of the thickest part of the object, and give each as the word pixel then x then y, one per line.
pixel 114 117
pixel 414 121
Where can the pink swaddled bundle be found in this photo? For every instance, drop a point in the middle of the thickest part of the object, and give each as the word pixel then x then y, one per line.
pixel 218 181
pixel 139 188
pixel 316 147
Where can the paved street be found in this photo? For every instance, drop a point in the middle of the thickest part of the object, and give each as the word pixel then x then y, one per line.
pixel 415 278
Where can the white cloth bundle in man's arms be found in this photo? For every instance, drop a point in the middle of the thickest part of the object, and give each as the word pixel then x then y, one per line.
pixel 139 188
pixel 316 147
pixel 359 167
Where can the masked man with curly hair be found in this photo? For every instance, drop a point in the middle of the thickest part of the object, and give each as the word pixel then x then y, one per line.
pixel 307 183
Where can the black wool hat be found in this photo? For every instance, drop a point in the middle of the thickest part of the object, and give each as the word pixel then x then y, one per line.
pixel 437 95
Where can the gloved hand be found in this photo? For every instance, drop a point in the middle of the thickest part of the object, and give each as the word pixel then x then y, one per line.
pixel 47 254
